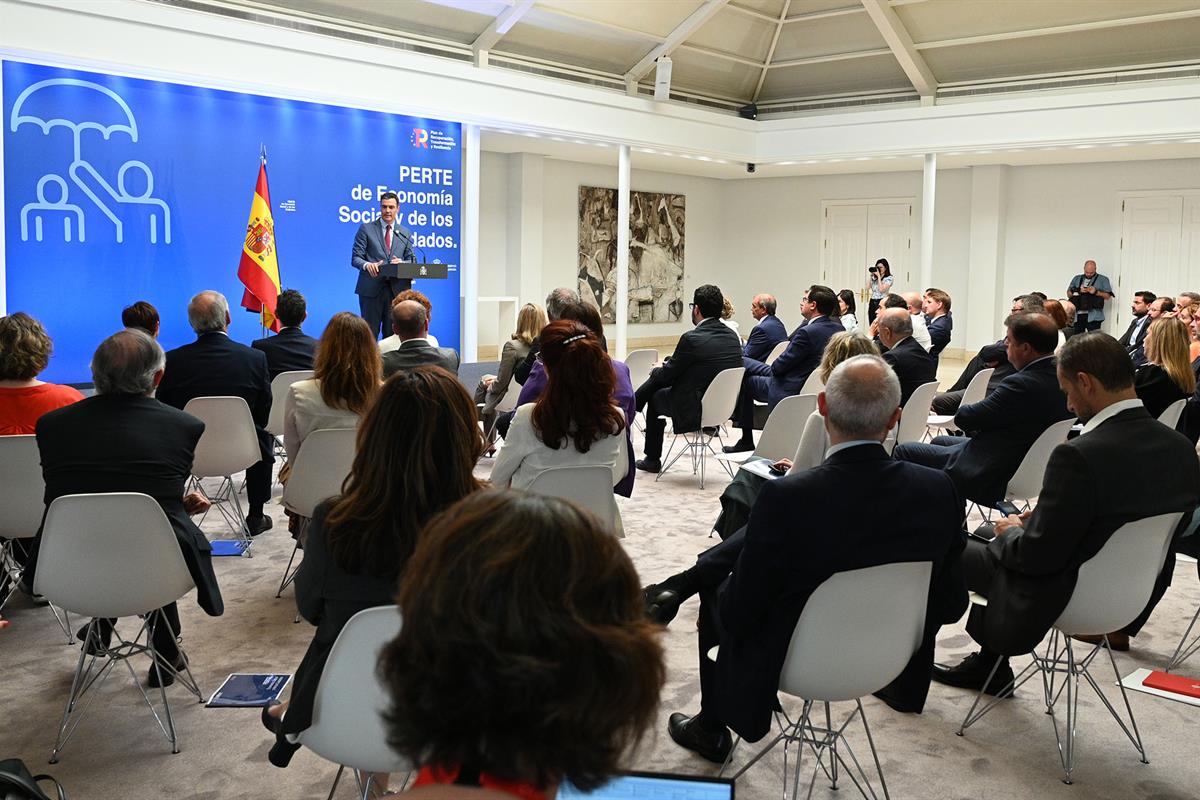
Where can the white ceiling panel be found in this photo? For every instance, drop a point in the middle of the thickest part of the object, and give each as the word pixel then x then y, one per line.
pixel 939 20
pixel 739 34
pixel 769 7
pixel 697 72
pixel 828 36
pixel 458 22
pixel 834 77
pixel 546 35
pixel 801 7
pixel 657 18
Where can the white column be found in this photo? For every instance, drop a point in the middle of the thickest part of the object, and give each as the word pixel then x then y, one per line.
pixel 927 205
pixel 469 249
pixel 621 301
pixel 526 214
pixel 986 301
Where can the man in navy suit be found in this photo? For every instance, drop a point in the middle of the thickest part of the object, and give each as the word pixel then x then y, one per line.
pixel 768 332
pixel 384 241
pixel 1003 426
pixel 291 349
pixel 938 319
pixel 786 375
pixel 216 366
pixel 797 537
pixel 912 365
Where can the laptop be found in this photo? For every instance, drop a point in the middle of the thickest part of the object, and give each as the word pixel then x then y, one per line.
pixel 654 786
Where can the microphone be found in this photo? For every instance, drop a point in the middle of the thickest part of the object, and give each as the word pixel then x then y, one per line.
pixel 409 239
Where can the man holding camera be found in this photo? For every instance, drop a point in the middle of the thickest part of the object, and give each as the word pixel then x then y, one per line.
pixel 1088 291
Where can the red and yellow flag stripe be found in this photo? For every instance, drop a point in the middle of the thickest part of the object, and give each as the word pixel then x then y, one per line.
pixel 259 267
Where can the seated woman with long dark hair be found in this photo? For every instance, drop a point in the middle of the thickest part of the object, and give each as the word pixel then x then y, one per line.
pixel 574 422
pixel 523 659
pixel 417 446
pixel 623 389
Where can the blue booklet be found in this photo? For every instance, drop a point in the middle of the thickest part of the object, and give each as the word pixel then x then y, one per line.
pixel 229 547
pixel 247 690
pixel 653 786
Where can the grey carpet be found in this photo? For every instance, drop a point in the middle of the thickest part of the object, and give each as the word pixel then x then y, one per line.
pixel 118 751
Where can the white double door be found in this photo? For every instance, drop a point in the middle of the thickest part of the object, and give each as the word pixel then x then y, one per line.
pixel 855 234
pixel 1160 248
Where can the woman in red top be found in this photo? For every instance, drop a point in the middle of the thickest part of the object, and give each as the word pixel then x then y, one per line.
pixel 24 352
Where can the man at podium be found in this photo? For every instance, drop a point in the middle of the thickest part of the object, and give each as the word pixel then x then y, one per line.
pixel 378 244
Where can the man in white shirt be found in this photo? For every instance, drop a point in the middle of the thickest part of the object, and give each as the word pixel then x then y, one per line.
pixel 920 327
pixel 1028 572
pixel 393 342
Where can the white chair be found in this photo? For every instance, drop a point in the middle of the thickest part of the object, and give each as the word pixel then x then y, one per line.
pixel 640 363
pixel 1171 416
pixel 885 608
pixel 347 726
pixel 109 556
pixel 1026 483
pixel 813 384
pixel 1112 589
pixel 777 351
pixel 590 486
pixel 814 441
pixel 914 417
pixel 716 407
pixel 1185 649
pixel 228 445
pixel 781 433
pixel 281 384
pixel 321 466
pixel 976 390
pixel 507 403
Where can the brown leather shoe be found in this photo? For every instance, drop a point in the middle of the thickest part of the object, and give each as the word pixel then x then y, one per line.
pixel 1117 640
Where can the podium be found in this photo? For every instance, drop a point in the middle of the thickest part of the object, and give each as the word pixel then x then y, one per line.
pixel 411 269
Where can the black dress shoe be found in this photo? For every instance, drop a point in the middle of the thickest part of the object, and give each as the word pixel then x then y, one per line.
pixel 710 431
pixel 257 525
pixel 270 721
pixel 686 732
pixel 739 447
pixel 97 645
pixel 662 604
pixel 649 465
pixel 167 675
pixel 972 673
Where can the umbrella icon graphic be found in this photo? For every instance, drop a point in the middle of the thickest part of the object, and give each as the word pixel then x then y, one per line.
pixel 43 105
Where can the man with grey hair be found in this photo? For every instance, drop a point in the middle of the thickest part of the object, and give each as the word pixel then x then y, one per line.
pixel 556 301
pixel 913 365
pixel 124 440
pixel 410 322
pixel 216 366
pixel 769 331
pixel 799 534
pixel 915 304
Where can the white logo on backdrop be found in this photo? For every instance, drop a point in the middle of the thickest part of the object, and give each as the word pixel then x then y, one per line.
pixel 39 105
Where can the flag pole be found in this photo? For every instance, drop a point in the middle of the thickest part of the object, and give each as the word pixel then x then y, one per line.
pixel 262 311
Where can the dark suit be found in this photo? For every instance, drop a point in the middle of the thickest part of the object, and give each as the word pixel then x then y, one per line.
pixel 939 333
pixel 327 596
pixel 912 365
pixel 215 365
pixel 419 353
pixel 991 355
pixel 1000 430
pixel 677 387
pixel 375 293
pixel 1093 486
pixel 787 374
pixel 785 556
pixel 763 337
pixel 289 350
pixel 130 443
pixel 1192 412
pixel 1136 344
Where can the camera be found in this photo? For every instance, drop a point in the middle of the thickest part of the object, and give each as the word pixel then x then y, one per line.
pixel 873 270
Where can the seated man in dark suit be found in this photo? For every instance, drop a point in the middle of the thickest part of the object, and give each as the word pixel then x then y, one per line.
pixel 677 387
pixel 1134 337
pixel 797 537
pixel 786 375
pixel 768 332
pixel 1001 428
pixel 912 365
pixel 291 349
pixel 938 319
pixel 213 366
pixel 411 324
pixel 1028 571
pixel 124 440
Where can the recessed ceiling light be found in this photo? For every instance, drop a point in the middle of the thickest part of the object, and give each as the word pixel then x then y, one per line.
pixel 1083 147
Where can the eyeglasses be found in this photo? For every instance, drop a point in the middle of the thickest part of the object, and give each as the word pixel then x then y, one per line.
pixel 691 305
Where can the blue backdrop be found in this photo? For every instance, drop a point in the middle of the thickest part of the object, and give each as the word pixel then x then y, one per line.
pixel 118 189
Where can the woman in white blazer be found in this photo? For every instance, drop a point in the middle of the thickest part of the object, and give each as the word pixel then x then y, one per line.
pixel 574 422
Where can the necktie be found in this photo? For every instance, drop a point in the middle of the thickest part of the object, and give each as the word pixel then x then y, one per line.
pixel 387 240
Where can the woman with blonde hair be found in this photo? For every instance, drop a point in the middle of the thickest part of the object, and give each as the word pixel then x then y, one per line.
pixel 492 388
pixel 1168 375
pixel 346 377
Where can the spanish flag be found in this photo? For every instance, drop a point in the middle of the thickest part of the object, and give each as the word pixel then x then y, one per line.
pixel 259 269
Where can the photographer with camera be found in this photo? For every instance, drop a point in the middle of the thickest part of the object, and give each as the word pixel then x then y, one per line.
pixel 1088 291
pixel 879 284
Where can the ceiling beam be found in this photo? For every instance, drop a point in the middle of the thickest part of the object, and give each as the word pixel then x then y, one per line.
pixel 1169 16
pixel 751 12
pixel 676 37
pixel 762 76
pixel 901 44
pixel 708 51
pixel 501 25
pixel 800 62
pixel 829 12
